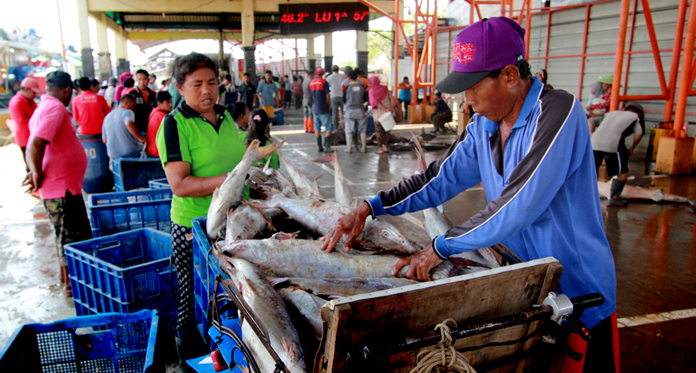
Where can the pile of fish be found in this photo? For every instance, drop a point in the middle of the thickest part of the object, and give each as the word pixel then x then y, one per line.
pixel 271 250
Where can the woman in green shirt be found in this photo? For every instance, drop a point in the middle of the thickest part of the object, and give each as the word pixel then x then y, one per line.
pixel 198 145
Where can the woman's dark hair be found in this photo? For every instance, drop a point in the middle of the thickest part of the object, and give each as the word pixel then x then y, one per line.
pixel 188 64
pixel 522 66
pixel 257 127
pixel 129 83
pixel 236 109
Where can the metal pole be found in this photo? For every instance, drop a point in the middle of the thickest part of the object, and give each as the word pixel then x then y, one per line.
pixel 584 49
pixel 414 57
pixel 685 76
pixel 630 46
pixel 655 48
pixel 676 54
pixel 396 20
pixel 528 26
pixel 618 61
pixel 60 27
pixel 548 40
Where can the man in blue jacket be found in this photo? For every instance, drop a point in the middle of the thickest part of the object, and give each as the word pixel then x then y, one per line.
pixel 531 149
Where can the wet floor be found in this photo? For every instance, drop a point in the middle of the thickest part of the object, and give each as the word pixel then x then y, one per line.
pixel 653 244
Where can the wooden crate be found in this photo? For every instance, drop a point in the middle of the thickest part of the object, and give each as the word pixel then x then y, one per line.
pixel 415 114
pixel 390 316
pixel 462 120
pixel 656 134
pixel 675 156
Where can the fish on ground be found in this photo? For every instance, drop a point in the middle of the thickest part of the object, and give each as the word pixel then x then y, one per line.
pixel 304 186
pixel 631 192
pixel 272 313
pixel 342 287
pixel 308 305
pixel 231 190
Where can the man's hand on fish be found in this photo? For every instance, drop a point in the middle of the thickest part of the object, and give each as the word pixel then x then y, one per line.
pixel 351 224
pixel 420 264
pixel 256 178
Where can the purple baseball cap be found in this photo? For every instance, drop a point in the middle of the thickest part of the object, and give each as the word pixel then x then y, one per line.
pixel 484 46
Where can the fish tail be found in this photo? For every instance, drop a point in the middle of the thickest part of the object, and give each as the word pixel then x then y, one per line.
pixel 268 149
pixel 257 208
pixel 285 236
pixel 658 195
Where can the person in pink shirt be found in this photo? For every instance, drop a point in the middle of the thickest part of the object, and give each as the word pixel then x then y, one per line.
pixel 57 164
pixel 22 106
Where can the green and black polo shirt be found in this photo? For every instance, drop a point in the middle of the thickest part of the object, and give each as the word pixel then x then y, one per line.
pixel 210 149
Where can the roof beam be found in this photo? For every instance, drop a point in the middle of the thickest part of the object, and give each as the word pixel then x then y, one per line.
pixel 184 35
pixel 206 6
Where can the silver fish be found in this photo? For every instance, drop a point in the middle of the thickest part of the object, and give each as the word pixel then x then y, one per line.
pixel 317 215
pixel 302 258
pixel 321 216
pixel 341 188
pixel 232 188
pixel 631 192
pixel 343 287
pixel 272 313
pixel 307 305
pixel 246 221
pixel 304 186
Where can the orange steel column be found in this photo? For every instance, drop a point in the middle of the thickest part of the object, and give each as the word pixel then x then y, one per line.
pixel 528 26
pixel 397 48
pixel 685 76
pixel 674 66
pixel 618 61
pixel 414 57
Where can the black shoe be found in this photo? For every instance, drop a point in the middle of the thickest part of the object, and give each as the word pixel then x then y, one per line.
pixel 615 202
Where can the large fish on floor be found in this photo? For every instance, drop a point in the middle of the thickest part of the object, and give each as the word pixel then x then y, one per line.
pixel 304 186
pixel 308 305
pixel 631 192
pixel 232 188
pixel 272 313
pixel 343 287
pixel 341 188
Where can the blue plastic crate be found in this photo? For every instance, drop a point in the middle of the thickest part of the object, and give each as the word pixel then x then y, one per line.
pixel 111 213
pixel 112 342
pixel 125 272
pixel 133 173
pixel 159 184
pixel 205 268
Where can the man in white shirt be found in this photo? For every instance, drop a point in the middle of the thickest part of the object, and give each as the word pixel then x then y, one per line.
pixel 334 81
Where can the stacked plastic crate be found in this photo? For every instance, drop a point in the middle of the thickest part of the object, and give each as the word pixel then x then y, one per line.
pixel 128 266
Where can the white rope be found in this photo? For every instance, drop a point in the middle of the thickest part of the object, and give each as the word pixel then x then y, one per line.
pixel 442 358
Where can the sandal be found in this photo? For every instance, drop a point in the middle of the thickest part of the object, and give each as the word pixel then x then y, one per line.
pixel 381 151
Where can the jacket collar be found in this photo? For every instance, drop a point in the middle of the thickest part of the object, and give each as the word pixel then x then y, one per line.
pixel 529 102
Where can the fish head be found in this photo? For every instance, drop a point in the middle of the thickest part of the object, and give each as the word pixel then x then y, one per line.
pixel 390 233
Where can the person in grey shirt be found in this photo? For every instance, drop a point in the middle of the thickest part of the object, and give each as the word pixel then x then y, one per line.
pixel 354 97
pixel 334 81
pixel 609 144
pixel 307 103
pixel 119 132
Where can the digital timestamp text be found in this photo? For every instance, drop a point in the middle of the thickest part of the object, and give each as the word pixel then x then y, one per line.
pixel 323 17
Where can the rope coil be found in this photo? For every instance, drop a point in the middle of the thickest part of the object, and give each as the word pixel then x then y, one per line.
pixel 442 358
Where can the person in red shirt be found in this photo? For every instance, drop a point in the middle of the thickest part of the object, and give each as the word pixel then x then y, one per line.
pixel 164 106
pixel 22 106
pixel 89 109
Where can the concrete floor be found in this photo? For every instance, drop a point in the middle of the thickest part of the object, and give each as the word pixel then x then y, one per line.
pixel 653 245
